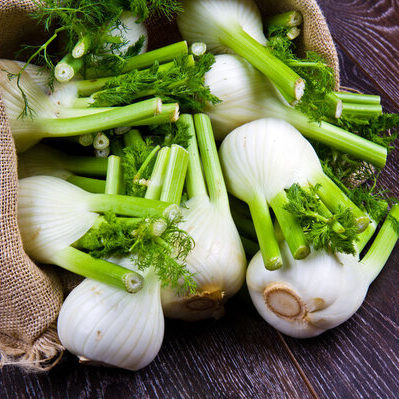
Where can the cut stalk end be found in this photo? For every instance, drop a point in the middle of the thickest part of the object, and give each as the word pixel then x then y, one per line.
pixel 100 141
pixel 293 33
pixel 86 140
pixel 299 89
pixel 133 282
pixel 273 263
pixel 158 106
pixel 362 223
pixel 338 109
pixel 198 48
pixel 284 302
pixel 79 50
pixel 174 116
pixel 64 72
pixel 302 252
pixel 82 47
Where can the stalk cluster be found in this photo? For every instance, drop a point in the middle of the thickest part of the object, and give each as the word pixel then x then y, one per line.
pixel 133 195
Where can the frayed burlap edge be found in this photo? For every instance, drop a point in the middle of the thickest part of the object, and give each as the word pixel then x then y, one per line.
pixel 43 355
pixel 315 34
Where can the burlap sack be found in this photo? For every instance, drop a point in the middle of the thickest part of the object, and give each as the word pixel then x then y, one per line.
pixel 30 297
pixel 315 35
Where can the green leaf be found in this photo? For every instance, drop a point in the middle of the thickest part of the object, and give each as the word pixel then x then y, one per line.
pixel 166 253
pixel 181 83
pixel 318 227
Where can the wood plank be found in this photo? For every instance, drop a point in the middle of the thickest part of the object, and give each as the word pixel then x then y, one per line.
pixel 368 31
pixel 360 358
pixel 236 357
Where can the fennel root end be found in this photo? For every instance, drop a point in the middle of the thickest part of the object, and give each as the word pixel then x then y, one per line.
pixel 284 302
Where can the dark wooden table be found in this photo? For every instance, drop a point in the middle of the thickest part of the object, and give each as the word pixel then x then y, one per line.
pixel 240 356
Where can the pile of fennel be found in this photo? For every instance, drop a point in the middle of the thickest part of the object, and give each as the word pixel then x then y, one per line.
pixel 303 297
pixel 114 327
pixel 120 220
pixel 263 159
pixel 217 261
pixel 307 297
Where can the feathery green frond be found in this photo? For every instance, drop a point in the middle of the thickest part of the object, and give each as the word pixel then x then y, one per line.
pixel 319 230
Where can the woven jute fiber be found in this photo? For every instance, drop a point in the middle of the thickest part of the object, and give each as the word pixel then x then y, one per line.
pixel 315 35
pixel 31 296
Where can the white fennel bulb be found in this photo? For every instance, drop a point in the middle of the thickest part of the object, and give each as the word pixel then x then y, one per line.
pixel 236 26
pixel 262 159
pixel 33 89
pixel 246 95
pixel 130 31
pixel 53 214
pixel 201 21
pixel 218 260
pixel 44 101
pixel 307 297
pixel 38 74
pixel 217 240
pixel 34 115
pixel 107 325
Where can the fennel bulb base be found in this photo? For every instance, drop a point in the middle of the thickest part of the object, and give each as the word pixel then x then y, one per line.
pixel 284 302
pixel 204 305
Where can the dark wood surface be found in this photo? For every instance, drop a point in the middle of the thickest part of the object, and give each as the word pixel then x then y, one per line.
pixel 240 356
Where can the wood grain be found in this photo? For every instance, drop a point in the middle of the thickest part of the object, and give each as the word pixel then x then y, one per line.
pixel 237 357
pixel 360 358
pixel 368 32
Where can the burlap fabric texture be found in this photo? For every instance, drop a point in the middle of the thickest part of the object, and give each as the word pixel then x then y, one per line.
pixel 30 296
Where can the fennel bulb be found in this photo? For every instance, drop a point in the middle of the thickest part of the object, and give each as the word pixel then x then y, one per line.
pixel 246 96
pixel 236 25
pixel 217 260
pixel 53 214
pixel 116 40
pixel 262 159
pixel 48 118
pixel 105 324
pixel 128 32
pixel 307 297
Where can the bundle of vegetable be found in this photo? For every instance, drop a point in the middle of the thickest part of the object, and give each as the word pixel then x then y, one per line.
pixel 121 38
pixel 307 297
pixel 246 95
pixel 217 260
pixel 54 214
pixel 50 120
pixel 236 25
pixel 96 33
pixel 180 80
pixel 266 157
pixel 105 324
